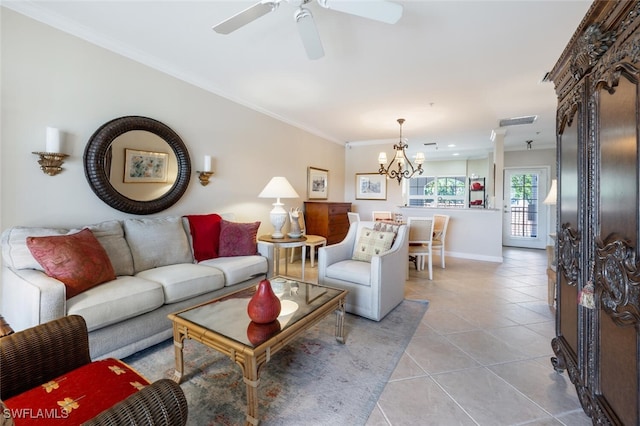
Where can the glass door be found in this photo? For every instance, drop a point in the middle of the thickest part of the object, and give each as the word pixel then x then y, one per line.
pixel 524 216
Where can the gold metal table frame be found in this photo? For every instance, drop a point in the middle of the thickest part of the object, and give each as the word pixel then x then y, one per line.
pixel 320 302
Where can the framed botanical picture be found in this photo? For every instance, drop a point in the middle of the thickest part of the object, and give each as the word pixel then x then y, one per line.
pixel 317 183
pixel 371 186
pixel 145 166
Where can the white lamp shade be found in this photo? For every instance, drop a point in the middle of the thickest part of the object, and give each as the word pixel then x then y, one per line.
pixel 278 187
pixel 552 196
pixel 382 158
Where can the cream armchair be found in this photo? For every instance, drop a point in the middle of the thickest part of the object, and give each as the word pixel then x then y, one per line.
pixel 375 287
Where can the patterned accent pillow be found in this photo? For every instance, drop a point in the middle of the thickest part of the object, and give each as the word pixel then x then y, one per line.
pixel 110 234
pixel 372 243
pixel 78 260
pixel 238 239
pixel 387 227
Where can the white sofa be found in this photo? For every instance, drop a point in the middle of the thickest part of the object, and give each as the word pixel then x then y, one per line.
pixel 156 275
pixel 375 287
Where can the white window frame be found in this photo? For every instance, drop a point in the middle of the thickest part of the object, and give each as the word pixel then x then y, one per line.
pixel 440 201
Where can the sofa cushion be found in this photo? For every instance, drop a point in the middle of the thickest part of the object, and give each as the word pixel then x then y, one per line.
pixel 157 242
pixel 116 301
pixel 111 236
pixel 78 260
pixel 237 269
pixel 372 243
pixel 183 281
pixel 353 271
pixel 77 395
pixel 205 234
pixel 238 239
pixel 15 252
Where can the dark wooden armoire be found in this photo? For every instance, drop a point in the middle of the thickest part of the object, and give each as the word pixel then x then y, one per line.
pixel 598 280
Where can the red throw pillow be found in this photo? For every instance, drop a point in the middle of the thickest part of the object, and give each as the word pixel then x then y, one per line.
pixel 238 239
pixel 78 260
pixel 205 233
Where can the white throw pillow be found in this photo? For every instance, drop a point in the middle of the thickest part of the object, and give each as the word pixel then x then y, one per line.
pixel 157 242
pixel 372 243
pixel 15 252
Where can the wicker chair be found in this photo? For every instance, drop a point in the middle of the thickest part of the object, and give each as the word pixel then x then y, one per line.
pixel 36 355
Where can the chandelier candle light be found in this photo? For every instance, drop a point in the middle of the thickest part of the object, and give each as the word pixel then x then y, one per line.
pixel 399 170
pixel 278 187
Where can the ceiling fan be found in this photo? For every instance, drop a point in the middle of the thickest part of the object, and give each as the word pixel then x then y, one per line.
pixel 378 10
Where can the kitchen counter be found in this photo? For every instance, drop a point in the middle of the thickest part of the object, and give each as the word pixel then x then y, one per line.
pixel 473 233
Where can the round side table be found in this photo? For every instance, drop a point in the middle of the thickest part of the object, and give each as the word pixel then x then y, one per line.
pixel 285 242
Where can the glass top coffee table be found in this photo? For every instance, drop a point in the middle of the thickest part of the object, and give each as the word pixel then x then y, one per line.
pixel 224 325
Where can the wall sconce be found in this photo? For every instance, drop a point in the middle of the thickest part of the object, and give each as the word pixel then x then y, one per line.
pixel 51 159
pixel 206 173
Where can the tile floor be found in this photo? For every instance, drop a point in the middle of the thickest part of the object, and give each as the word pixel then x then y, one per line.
pixel 481 353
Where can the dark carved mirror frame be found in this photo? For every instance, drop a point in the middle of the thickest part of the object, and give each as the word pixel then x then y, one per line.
pixel 96 152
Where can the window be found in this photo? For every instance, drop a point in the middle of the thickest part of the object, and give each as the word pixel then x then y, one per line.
pixel 437 191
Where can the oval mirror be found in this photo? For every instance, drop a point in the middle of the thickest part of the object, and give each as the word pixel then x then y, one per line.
pixel 137 165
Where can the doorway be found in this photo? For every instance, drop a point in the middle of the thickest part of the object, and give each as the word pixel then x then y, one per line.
pixel 524 216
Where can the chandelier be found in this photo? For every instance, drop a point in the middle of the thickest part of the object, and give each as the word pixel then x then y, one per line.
pixel 396 168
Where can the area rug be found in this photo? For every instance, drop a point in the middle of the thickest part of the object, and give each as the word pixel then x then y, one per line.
pixel 313 381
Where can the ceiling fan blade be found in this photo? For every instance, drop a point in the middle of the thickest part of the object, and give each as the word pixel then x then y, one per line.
pixel 309 33
pixel 250 14
pixel 378 10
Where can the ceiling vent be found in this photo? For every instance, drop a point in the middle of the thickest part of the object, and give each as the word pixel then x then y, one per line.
pixel 529 119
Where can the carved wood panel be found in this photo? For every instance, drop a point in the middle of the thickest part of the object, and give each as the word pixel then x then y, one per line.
pixel 598 343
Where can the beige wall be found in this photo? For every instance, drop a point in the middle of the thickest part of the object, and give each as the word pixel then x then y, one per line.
pixel 533 158
pixel 50 78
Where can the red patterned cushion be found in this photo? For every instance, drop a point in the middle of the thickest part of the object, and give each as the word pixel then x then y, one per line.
pixel 238 239
pixel 77 396
pixel 78 260
pixel 205 232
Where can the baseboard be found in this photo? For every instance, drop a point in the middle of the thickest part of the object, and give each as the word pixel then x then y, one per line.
pixel 474 256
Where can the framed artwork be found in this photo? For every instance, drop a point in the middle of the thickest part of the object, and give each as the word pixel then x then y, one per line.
pixel 145 166
pixel 371 186
pixel 317 183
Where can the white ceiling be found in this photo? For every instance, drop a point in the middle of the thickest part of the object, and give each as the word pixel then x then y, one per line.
pixel 452 69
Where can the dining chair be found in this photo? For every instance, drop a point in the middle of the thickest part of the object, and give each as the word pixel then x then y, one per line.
pixel 420 240
pixel 381 215
pixel 353 217
pixel 312 242
pixel 440 225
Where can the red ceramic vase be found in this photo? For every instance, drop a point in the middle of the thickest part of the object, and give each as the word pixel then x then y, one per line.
pixel 264 306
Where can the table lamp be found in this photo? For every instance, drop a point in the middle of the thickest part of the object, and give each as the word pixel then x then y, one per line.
pixel 552 196
pixel 278 187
